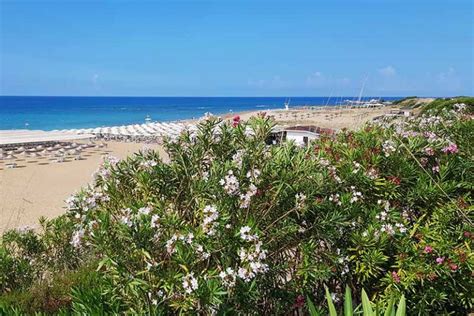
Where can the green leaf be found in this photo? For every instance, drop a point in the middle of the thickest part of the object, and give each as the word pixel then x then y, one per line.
pixel 388 311
pixel 348 308
pixel 401 310
pixel 332 309
pixel 366 307
pixel 311 309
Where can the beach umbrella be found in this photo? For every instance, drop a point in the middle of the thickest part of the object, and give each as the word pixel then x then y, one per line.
pixel 35 155
pixel 39 147
pixel 10 157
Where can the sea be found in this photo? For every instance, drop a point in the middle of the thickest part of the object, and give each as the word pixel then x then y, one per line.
pixel 56 113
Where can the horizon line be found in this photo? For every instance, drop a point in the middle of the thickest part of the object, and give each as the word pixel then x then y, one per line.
pixel 231 96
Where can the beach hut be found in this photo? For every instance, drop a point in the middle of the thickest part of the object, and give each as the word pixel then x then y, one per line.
pixel 301 135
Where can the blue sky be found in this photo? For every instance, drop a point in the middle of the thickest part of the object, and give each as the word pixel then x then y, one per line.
pixel 237 48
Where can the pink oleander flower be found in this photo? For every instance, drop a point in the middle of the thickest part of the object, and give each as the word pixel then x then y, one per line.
pixel 235 121
pixel 299 302
pixel 440 260
pixel 396 277
pixel 453 266
pixel 452 148
pixel 428 249
pixel 424 161
pixel 429 151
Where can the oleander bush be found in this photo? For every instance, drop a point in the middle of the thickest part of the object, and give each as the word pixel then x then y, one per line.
pixel 231 225
pixel 441 104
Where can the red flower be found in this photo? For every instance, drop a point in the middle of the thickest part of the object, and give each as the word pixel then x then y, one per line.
pixel 453 266
pixel 236 121
pixel 394 180
pixel 299 302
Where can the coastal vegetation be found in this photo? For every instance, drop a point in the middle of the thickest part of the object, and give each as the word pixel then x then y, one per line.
pixel 405 99
pixel 442 104
pixel 232 225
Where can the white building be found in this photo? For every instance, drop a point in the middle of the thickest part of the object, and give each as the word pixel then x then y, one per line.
pixel 301 135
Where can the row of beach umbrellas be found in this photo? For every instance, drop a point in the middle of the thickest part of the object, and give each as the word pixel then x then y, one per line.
pixel 151 130
pixel 54 151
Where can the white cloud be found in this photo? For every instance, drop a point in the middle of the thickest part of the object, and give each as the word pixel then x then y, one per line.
pixel 388 71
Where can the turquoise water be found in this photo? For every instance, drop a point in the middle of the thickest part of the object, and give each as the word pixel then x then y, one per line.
pixel 49 113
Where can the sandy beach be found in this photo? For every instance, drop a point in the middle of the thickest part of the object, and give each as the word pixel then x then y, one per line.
pixel 330 117
pixel 38 187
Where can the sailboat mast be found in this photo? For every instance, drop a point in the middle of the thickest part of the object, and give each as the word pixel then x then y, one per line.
pixel 362 89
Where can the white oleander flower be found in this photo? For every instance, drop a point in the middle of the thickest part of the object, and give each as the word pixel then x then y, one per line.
pixel 300 199
pixel 356 195
pixel 77 236
pixel 155 221
pixel 170 244
pixel 335 198
pixel 228 277
pixel 144 210
pixel 245 198
pixel 244 234
pixel 238 157
pixel 230 183
pixel 209 221
pixel 388 147
pixel 357 167
pixel 190 283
